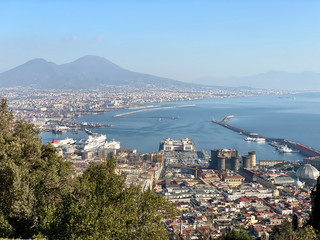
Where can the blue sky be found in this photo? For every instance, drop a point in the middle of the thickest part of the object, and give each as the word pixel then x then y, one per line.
pixel 184 40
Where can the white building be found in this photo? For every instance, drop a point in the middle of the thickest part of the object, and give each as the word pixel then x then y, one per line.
pixel 185 144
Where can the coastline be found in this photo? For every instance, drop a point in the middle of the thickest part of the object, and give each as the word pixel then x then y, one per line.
pixel 143 132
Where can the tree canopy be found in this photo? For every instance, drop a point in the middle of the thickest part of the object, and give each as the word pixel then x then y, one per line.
pixel 286 232
pixel 236 235
pixel 39 197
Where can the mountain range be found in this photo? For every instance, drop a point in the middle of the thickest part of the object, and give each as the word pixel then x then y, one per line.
pixel 93 72
pixel 86 72
pixel 269 80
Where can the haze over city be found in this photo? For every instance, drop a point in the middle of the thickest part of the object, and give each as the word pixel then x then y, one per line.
pixel 193 41
pixel 160 119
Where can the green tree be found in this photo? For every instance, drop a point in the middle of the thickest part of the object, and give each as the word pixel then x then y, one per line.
pixel 286 232
pixel 102 207
pixel 236 235
pixel 5 228
pixel 39 198
pixel 307 232
pixel 32 179
pixel 315 201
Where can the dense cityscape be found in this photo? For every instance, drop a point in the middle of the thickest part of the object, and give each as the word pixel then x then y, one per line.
pixel 45 103
pixel 160 120
pixel 213 197
pixel 213 194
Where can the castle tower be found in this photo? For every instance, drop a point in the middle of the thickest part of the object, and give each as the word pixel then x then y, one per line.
pixel 235 165
pixel 253 157
pixel 221 163
pixel 246 161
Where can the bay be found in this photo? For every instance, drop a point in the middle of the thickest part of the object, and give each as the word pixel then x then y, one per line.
pixel 294 117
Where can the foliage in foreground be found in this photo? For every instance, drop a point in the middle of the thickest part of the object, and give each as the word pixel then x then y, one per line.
pixel 286 232
pixel 102 207
pixel 236 235
pixel 38 197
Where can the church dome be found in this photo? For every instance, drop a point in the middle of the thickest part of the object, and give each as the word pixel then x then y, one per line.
pixel 307 171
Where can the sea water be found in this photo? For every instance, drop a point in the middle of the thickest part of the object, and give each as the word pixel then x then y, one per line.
pixel 294 117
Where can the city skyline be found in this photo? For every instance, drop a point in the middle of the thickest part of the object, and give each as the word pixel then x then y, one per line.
pixel 184 40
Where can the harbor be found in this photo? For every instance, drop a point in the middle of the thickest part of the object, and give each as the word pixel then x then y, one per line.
pixel 58 126
pixel 142 132
pixel 278 143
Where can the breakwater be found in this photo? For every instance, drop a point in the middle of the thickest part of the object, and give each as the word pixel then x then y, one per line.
pixel 151 109
pixel 304 150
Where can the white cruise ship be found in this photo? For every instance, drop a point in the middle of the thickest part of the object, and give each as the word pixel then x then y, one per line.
pixel 114 145
pixel 93 143
pixel 63 142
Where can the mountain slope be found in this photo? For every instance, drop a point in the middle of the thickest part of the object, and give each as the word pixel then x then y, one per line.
pixel 85 72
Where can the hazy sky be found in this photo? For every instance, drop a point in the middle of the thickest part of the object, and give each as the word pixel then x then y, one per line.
pixel 183 40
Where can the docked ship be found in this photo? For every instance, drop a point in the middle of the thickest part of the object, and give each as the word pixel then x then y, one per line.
pixel 113 145
pixel 93 143
pixel 63 142
pixel 249 139
pixel 260 139
pixel 286 149
pixel 60 129
pixel 255 139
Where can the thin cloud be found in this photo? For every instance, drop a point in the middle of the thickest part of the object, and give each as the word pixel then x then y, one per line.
pixel 71 38
pixel 99 37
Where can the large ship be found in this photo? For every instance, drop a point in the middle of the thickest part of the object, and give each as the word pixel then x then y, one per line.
pixel 63 142
pixel 93 143
pixel 113 145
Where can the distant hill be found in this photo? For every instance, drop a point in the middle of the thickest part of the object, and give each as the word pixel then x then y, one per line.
pixel 270 80
pixel 85 72
pixel 92 72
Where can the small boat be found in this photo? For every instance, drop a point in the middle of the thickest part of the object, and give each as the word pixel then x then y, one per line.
pixel 286 149
pixel 255 139
pixel 249 139
pixel 260 139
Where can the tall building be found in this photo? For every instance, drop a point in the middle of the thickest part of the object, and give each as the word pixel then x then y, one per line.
pixel 253 158
pixel 235 163
pixel 222 159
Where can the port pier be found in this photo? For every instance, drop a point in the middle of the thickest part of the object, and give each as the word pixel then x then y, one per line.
pixel 158 117
pixel 275 142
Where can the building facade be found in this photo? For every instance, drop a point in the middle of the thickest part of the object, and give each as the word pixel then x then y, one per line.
pixel 169 145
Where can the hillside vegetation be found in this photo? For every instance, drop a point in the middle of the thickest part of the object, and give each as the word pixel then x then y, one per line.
pixel 39 198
